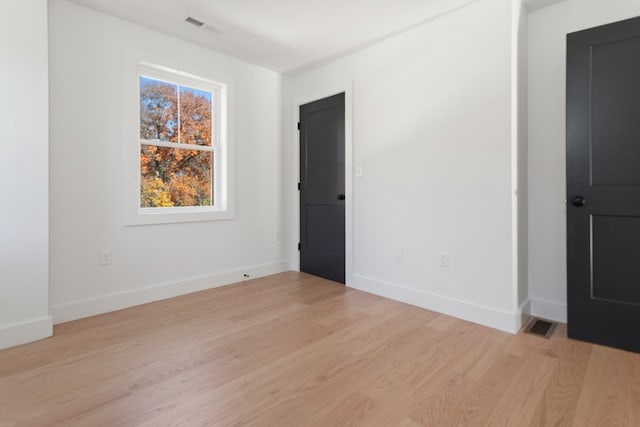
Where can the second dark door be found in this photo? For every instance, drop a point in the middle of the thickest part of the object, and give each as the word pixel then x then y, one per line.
pixel 322 190
pixel 603 184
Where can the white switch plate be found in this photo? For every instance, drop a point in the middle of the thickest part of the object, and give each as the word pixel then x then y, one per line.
pixel 105 257
pixel 444 259
pixel 359 170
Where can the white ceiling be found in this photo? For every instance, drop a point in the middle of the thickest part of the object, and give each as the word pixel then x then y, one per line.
pixel 283 35
pixel 533 5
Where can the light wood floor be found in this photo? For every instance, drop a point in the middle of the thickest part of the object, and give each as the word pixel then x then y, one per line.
pixel 294 350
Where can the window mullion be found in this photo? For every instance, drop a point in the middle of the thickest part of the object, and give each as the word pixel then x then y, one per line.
pixel 167 144
pixel 178 109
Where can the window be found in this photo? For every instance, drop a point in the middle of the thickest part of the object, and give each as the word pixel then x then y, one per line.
pixel 181 147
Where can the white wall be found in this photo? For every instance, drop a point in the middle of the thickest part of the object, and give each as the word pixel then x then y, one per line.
pixel 548 28
pixel 432 131
pixel 591 13
pixel 430 115
pixel 547 227
pixel 24 297
pixel 289 177
pixel 93 61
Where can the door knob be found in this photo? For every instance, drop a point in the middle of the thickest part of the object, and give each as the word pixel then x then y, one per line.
pixel 341 197
pixel 578 201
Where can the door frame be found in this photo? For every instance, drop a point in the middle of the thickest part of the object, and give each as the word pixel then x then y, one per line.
pixel 316 94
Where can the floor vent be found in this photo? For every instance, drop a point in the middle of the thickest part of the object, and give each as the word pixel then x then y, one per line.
pixel 541 328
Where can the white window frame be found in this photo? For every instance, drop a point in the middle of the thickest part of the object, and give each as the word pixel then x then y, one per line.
pixel 222 208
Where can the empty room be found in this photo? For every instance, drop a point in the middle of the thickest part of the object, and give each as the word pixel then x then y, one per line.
pixel 320 213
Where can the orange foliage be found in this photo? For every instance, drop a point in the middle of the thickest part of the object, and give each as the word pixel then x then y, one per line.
pixel 174 176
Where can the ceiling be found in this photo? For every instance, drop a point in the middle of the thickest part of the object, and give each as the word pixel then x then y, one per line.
pixel 533 5
pixel 282 35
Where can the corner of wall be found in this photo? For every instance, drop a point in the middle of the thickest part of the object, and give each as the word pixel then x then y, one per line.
pixel 519 148
pixel 25 332
pixel 547 29
pixel 24 251
pixel 550 310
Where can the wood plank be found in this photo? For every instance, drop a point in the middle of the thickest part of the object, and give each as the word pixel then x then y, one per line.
pixel 293 349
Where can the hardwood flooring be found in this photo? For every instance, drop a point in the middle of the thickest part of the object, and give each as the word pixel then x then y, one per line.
pixel 296 350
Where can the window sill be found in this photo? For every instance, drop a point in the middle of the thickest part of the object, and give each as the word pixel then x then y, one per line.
pixel 151 216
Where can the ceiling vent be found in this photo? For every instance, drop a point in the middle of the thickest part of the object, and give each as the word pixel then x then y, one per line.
pixel 204 26
pixel 194 21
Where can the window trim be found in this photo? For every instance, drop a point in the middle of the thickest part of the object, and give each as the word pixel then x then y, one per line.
pixel 223 207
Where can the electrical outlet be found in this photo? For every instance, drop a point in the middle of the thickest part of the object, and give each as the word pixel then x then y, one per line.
pixel 400 252
pixel 278 236
pixel 444 259
pixel 359 170
pixel 105 256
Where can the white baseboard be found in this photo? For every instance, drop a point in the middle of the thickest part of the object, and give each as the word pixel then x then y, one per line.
pixel 498 319
pixel 549 310
pixel 106 303
pixel 22 333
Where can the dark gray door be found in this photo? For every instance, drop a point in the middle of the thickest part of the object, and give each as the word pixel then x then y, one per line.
pixel 322 196
pixel 603 184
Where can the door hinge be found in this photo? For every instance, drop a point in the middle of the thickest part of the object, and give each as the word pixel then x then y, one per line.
pixel 299 246
pixel 298 125
pixel 299 187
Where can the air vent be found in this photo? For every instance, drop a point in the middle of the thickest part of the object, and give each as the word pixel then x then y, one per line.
pixel 540 328
pixel 194 21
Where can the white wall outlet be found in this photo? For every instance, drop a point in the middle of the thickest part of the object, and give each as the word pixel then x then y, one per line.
pixel 358 170
pixel 105 256
pixel 400 252
pixel 278 236
pixel 444 259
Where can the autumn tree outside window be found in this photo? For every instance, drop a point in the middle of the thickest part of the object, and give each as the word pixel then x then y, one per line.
pixel 180 140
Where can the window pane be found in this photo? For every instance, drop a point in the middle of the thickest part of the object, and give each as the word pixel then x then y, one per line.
pixel 158 110
pixel 175 177
pixel 195 116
